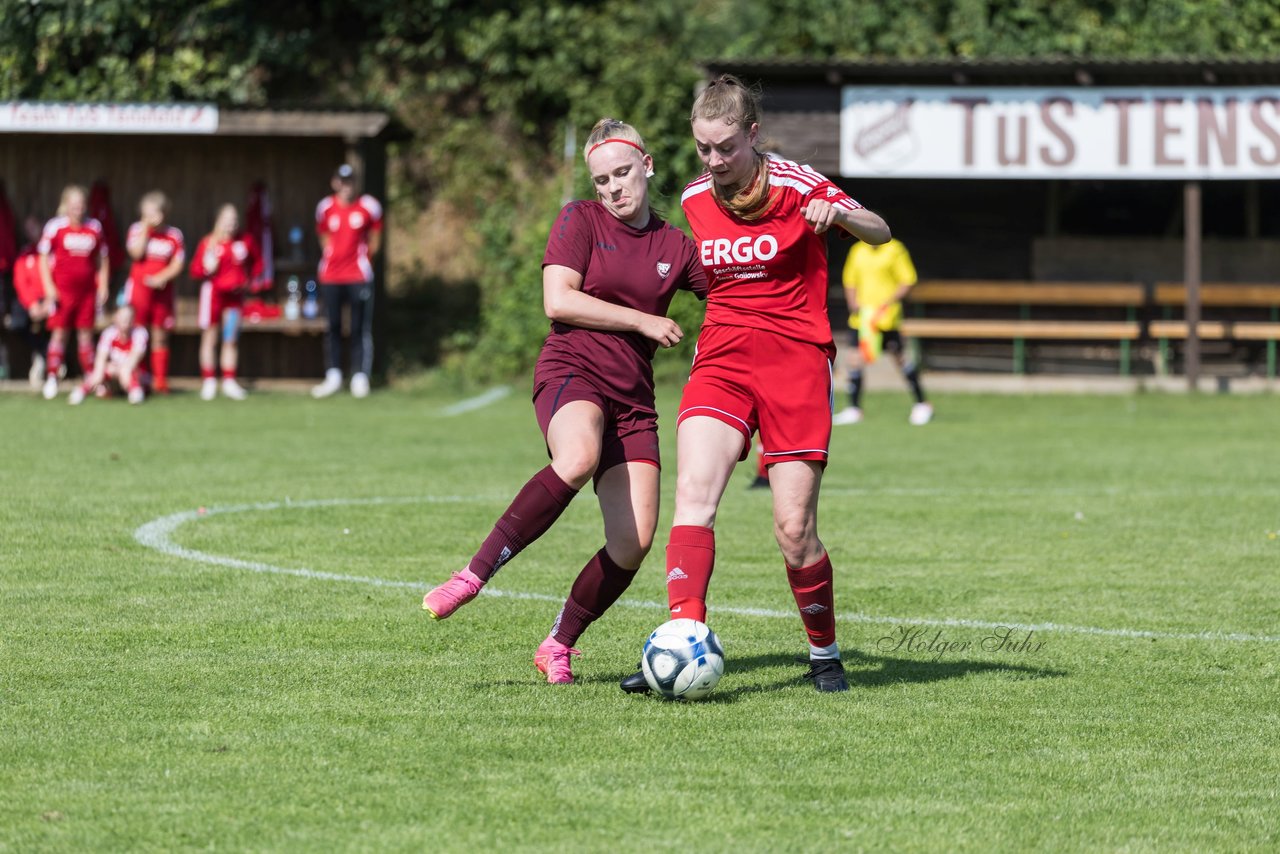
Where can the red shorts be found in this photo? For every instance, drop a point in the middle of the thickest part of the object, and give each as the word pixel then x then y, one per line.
pixel 754 380
pixel 151 307
pixel 77 309
pixel 214 302
pixel 630 431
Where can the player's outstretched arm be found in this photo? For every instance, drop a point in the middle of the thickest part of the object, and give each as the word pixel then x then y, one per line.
pixel 861 223
pixel 564 302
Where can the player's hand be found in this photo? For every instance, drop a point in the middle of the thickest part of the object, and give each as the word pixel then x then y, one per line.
pixel 665 331
pixel 209 261
pixel 820 214
pixel 100 299
pixel 153 281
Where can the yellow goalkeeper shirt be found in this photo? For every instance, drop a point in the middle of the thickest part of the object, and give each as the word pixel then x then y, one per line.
pixel 875 273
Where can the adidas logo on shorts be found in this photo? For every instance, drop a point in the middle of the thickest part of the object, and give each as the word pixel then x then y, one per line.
pixel 675 574
pixel 815 608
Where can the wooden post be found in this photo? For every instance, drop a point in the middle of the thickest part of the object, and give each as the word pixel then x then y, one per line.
pixel 1191 277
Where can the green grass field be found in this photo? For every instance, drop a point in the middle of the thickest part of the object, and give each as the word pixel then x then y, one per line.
pixel 150 701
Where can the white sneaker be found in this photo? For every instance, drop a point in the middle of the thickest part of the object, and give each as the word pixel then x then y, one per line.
pixel 50 390
pixel 848 415
pixel 137 395
pixel 331 385
pixel 77 396
pixel 209 389
pixel 35 376
pixel 233 390
pixel 921 414
pixel 360 385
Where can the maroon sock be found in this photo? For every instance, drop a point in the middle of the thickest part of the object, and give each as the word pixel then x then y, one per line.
pixel 811 585
pixel 597 587
pixel 535 508
pixel 691 555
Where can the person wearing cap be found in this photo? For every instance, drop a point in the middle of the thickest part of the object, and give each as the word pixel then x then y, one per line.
pixel 349 228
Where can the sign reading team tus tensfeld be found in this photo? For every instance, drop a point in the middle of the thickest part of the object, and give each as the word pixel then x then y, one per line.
pixel 61 117
pixel 946 132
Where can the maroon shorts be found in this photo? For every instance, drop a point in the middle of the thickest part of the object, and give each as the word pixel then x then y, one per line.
pixel 754 380
pixel 630 431
pixel 77 309
pixel 151 308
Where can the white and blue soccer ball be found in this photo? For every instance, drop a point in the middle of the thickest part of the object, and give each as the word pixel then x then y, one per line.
pixel 682 660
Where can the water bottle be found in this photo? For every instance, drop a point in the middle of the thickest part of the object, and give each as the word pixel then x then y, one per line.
pixel 291 305
pixel 310 308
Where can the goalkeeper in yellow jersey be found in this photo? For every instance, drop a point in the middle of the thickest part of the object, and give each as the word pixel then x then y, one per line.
pixel 876 279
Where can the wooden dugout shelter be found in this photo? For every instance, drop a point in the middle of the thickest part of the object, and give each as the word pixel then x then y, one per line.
pixel 201 156
pixel 1155 177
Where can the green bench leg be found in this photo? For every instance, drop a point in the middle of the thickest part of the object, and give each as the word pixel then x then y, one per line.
pixel 1125 365
pixel 1020 344
pixel 1271 347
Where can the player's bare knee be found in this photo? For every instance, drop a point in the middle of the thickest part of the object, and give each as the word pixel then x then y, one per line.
pixel 628 551
pixel 576 466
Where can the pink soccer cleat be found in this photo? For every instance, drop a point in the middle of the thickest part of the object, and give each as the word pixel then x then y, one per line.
pixel 553 659
pixel 460 589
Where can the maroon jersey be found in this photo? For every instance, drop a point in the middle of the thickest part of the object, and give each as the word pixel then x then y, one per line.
pixel 639 268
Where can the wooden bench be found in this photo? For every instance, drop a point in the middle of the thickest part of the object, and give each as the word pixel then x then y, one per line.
pixel 1169 296
pixel 1024 294
pixel 187 312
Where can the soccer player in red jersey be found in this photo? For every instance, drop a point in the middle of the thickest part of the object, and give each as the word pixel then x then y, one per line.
pixel 73 268
pixel 763 361
pixel 228 262
pixel 30 314
pixel 158 253
pixel 350 232
pixel 119 359
pixel 610 272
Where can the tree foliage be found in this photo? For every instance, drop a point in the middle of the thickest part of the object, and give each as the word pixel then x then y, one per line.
pixel 488 90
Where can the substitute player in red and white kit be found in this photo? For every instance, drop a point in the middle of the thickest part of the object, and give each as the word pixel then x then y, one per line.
pixel 33 308
pixel 763 361
pixel 73 267
pixel 609 275
pixel 158 252
pixel 228 261
pixel 350 232
pixel 119 360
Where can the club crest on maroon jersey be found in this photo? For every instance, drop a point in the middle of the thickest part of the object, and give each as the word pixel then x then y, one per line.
pixel 664 269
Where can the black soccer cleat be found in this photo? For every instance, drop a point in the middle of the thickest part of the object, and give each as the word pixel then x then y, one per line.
pixel 827 675
pixel 635 683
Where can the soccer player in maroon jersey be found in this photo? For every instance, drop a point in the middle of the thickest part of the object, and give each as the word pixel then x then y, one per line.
pixel 763 361
pixel 349 228
pixel 73 268
pixel 158 253
pixel 228 261
pixel 610 272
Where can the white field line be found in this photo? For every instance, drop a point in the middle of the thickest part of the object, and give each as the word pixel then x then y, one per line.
pixel 158 535
pixel 480 401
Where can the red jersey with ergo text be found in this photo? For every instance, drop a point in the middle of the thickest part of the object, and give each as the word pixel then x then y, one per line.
pixel 163 244
pixel 770 273
pixel 346 256
pixel 74 251
pixel 230 265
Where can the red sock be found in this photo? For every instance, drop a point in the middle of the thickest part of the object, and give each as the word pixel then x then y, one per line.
pixel 811 585
pixel 691 555
pixel 597 587
pixel 535 508
pixel 85 352
pixel 207 374
pixel 229 374
pixel 53 357
pixel 160 368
